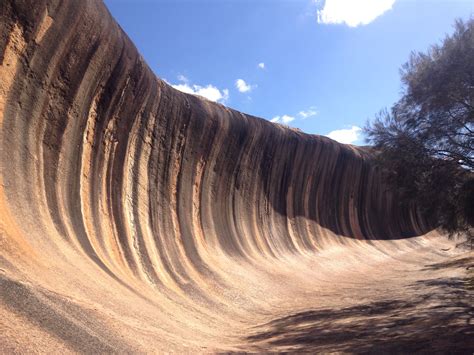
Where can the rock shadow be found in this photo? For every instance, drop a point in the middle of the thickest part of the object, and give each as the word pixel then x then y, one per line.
pixel 438 320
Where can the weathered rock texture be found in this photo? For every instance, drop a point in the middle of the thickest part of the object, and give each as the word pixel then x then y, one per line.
pixel 134 217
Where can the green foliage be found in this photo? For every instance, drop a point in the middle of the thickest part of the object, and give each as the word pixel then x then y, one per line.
pixel 426 141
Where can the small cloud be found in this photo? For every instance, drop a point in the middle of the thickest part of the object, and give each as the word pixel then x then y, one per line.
pixel 284 119
pixel 183 79
pixel 352 12
pixel 225 95
pixel 308 113
pixel 261 65
pixel 242 86
pixel 210 92
pixel 287 119
pixel 184 88
pixel 347 136
pixel 303 114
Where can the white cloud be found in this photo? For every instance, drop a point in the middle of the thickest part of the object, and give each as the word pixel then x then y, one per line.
pixel 225 94
pixel 303 114
pixel 284 119
pixel 287 119
pixel 261 65
pixel 352 12
pixel 242 86
pixel 183 79
pixel 347 136
pixel 308 113
pixel 184 88
pixel 209 92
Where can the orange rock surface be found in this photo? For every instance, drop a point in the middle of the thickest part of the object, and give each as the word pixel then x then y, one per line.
pixel 136 218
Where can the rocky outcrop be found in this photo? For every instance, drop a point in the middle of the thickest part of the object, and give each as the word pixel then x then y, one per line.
pixel 121 195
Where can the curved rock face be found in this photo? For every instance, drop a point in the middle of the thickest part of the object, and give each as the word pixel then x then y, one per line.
pixel 134 215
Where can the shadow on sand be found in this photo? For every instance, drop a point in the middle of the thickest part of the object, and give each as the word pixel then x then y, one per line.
pixel 437 317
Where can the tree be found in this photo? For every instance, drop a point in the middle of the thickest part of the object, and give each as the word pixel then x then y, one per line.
pixel 425 142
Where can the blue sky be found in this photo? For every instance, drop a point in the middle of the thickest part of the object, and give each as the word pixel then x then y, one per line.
pixel 322 66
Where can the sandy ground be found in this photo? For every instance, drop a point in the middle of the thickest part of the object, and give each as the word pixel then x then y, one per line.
pixel 401 296
pixel 135 218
